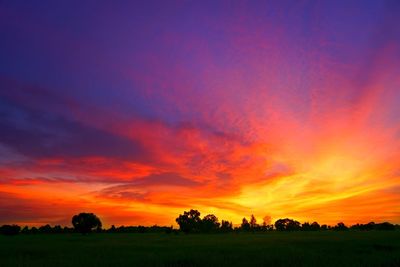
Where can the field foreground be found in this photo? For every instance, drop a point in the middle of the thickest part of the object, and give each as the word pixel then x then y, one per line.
pixel 375 248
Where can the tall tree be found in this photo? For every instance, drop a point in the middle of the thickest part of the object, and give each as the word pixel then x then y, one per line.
pixel 245 225
pixel 210 223
pixel 253 222
pixel 189 221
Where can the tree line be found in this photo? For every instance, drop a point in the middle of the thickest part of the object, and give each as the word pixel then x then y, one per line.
pixel 190 222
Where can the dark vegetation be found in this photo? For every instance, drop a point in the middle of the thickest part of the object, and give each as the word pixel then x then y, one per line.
pixel 287 242
pixel 86 223
pixel 191 222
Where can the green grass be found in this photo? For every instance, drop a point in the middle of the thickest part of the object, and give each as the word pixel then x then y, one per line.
pixel 244 249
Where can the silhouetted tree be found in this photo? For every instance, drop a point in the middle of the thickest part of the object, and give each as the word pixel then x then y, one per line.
pixel 245 226
pixel 306 226
pixel 25 230
pixel 226 226
pixel 210 223
pixel 189 221
pixel 253 222
pixel 340 227
pixel 45 229
pixel 57 229
pixel 310 227
pixel 373 226
pixel 315 226
pixel 385 226
pixel 287 225
pixel 86 222
pixel 10 229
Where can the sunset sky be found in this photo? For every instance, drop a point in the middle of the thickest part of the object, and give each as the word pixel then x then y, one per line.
pixel 139 110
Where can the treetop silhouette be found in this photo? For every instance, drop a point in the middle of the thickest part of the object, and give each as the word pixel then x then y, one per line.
pixel 86 223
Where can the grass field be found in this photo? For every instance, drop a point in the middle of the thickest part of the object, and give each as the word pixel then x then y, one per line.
pixel 244 249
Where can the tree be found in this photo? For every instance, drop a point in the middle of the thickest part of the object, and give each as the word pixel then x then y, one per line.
pixel 86 222
pixel 189 221
pixel 306 226
pixel 226 226
pixel 25 230
pixel 210 223
pixel 57 229
pixel 287 225
pixel 373 226
pixel 324 227
pixel 315 226
pixel 385 226
pixel 340 227
pixel 45 229
pixel 245 225
pixel 253 222
pixel 310 227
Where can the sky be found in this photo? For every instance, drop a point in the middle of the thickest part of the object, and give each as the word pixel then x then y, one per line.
pixel 140 110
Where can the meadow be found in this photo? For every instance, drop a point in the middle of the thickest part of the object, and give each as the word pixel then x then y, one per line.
pixel 322 248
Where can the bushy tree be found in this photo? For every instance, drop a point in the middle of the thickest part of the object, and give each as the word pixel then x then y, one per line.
pixel 306 226
pixel 57 229
pixel 86 223
pixel 210 223
pixel 189 221
pixel 287 225
pixel 226 226
pixel 373 226
pixel 25 230
pixel 315 226
pixel 385 226
pixel 245 226
pixel 45 229
pixel 340 227
pixel 310 227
